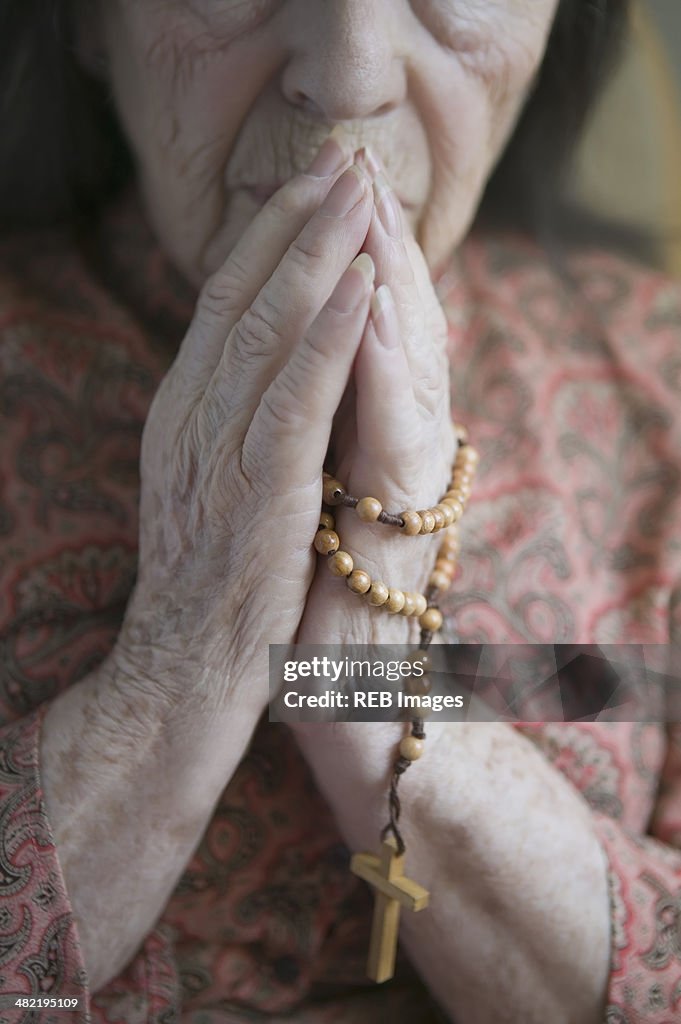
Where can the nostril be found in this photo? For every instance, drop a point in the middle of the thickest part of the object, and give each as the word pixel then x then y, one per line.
pixel 354 86
pixel 304 102
pixel 385 108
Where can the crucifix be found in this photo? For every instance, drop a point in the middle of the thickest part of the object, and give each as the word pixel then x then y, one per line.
pixel 393 890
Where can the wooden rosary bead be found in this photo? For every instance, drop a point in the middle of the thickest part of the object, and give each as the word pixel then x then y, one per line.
pixel 467 456
pixel 447 554
pixel 447 514
pixel 326 521
pixel 438 517
pixel 326 542
pixel 439 580
pixel 418 686
pixel 423 658
pixel 368 509
pixel 461 478
pixel 359 581
pixel 427 521
pixel 333 491
pixel 451 540
pixel 442 516
pixel 395 601
pixel 448 580
pixel 341 563
pixel 431 620
pixel 411 748
pixel 412 522
pixel 445 566
pixel 378 593
pixel 452 500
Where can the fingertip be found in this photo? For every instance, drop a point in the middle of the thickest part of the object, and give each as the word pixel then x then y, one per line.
pixel 349 193
pixel 384 318
pixel 332 156
pixel 385 403
pixel 383 378
pixel 366 265
pixel 367 159
pixel 354 286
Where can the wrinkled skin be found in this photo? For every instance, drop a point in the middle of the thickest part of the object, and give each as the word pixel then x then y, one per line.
pixel 224 103
pixel 224 100
pixel 218 95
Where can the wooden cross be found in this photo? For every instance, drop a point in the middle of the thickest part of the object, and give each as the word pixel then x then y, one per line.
pixel 392 890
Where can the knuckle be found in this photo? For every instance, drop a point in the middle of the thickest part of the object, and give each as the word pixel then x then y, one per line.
pixel 254 469
pixel 213 413
pixel 282 405
pixel 432 385
pixel 429 397
pixel 228 489
pixel 187 465
pixel 309 361
pixel 257 330
pixel 307 254
pixel 222 293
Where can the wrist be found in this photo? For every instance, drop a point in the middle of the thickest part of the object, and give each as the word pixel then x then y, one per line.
pixel 349 758
pixel 178 659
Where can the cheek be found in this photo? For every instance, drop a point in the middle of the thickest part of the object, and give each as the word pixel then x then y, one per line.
pixel 182 95
pixel 471 100
pixel 506 75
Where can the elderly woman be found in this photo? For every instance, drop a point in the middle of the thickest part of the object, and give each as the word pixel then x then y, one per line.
pixel 238 251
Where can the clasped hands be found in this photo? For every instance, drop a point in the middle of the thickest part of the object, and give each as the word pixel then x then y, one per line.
pixel 296 358
pixel 300 356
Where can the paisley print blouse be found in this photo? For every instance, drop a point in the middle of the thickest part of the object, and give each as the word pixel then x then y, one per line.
pixel 570 382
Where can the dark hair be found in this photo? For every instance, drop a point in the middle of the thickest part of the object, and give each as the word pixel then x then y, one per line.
pixel 63 153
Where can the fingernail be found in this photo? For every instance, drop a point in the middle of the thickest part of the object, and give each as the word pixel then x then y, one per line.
pixel 353 285
pixel 367 159
pixel 387 206
pixel 345 194
pixel 384 317
pixel 331 155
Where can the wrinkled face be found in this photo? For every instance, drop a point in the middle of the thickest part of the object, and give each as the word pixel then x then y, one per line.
pixel 223 100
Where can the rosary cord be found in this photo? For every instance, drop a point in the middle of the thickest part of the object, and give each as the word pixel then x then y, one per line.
pixel 401 766
pixel 422 606
pixel 402 763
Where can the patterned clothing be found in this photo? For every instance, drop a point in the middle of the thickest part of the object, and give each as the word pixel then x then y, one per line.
pixel 574 400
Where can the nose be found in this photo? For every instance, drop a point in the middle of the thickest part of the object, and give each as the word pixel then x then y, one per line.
pixel 345 61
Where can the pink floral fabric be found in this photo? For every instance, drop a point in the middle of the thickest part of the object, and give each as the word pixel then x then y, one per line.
pixel 573 397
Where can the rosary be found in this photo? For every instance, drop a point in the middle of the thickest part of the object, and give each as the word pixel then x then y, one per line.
pixel 385 871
